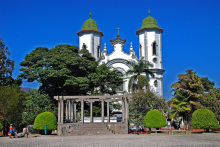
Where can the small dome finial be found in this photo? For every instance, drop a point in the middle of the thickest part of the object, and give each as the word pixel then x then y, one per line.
pixel 149 12
pixel 90 14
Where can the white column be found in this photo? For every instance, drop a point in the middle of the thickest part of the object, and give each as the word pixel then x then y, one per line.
pixel 69 108
pixel 91 110
pixel 66 110
pixel 103 111
pixel 59 109
pixel 127 109
pixel 123 110
pixel 62 110
pixel 108 119
pixel 82 111
pixel 75 112
pixel 71 114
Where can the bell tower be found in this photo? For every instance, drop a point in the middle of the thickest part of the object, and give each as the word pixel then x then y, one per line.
pixel 90 38
pixel 150 48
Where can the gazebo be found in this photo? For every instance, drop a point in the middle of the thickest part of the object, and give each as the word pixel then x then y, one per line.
pixel 70 120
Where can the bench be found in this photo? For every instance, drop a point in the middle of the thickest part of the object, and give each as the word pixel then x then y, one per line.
pixel 163 131
pixel 178 131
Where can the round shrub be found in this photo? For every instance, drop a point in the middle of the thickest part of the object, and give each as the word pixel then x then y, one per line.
pixel 204 119
pixel 47 118
pixel 154 119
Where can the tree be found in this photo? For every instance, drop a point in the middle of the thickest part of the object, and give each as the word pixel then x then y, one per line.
pixel 142 102
pixel 11 103
pixel 60 70
pixel 34 104
pixel 211 101
pixel 105 80
pixel 6 64
pixel 204 119
pixel 154 119
pixel 186 97
pixel 139 68
pixel 207 85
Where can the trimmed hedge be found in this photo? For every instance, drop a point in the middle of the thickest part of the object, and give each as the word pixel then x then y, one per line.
pixel 204 119
pixel 47 118
pixel 154 119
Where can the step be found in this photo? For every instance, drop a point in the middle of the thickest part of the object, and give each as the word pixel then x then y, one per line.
pixel 94 131
pixel 100 129
pixel 76 134
pixel 90 129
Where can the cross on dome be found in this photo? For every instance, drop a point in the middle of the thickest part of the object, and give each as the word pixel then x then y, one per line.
pixel 118 31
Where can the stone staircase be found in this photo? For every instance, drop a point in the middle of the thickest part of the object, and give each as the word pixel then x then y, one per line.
pixel 90 129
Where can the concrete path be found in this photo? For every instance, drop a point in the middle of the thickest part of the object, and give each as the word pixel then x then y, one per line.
pixel 121 140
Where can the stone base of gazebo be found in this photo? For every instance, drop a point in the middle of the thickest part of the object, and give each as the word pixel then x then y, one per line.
pixel 116 128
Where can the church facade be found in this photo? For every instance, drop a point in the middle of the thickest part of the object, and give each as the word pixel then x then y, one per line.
pixel 150 48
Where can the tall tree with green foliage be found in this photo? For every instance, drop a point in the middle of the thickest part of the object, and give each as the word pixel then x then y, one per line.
pixel 60 70
pixel 207 84
pixel 11 103
pixel 142 102
pixel 34 104
pixel 139 68
pixel 6 64
pixel 211 101
pixel 186 96
pixel 7 67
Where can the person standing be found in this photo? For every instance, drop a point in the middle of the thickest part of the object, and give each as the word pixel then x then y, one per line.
pixel 10 130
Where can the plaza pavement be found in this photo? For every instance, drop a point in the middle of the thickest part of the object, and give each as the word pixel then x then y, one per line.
pixel 119 140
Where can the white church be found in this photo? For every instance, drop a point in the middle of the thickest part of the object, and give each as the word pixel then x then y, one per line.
pixel 150 48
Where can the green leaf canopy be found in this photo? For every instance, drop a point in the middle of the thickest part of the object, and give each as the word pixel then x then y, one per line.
pixel 61 70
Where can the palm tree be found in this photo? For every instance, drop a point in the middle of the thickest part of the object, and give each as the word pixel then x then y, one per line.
pixel 138 68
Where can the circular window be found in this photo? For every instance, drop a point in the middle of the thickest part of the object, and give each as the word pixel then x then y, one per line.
pixel 155 60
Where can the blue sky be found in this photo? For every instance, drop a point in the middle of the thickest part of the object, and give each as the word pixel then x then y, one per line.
pixel 190 39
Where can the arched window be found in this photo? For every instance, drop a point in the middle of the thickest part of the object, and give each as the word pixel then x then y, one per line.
pixel 140 50
pixel 155 83
pixel 154 48
pixel 98 52
pixel 84 46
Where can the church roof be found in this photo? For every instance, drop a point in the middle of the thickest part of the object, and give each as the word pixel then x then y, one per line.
pixel 118 41
pixel 149 23
pixel 90 24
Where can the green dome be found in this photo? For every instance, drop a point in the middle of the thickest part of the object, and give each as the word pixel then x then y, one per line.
pixel 90 24
pixel 149 22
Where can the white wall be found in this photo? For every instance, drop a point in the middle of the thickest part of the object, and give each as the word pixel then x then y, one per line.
pixel 92 40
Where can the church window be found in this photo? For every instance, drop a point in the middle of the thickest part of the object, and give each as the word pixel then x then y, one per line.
pixel 154 48
pixel 140 50
pixel 98 52
pixel 84 46
pixel 155 60
pixel 155 83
